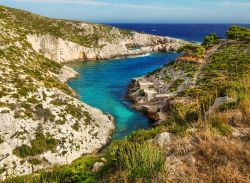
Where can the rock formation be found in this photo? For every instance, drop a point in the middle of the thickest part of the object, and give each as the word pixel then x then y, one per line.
pixel 64 51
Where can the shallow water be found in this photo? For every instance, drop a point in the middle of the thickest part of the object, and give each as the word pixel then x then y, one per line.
pixel 103 84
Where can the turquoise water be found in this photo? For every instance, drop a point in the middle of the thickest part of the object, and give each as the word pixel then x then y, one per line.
pixel 103 84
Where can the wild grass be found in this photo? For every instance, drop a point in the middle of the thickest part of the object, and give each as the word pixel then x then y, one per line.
pixel 141 161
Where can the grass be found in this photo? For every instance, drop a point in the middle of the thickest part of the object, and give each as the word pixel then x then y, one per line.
pixel 141 161
pixel 227 74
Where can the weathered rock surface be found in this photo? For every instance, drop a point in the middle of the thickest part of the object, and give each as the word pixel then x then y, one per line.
pixel 97 166
pixel 67 73
pixel 64 51
pixel 163 139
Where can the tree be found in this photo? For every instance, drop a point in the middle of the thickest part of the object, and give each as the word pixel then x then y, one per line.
pixel 238 33
pixel 210 40
pixel 191 50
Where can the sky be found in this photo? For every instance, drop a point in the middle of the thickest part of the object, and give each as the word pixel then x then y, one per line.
pixel 140 11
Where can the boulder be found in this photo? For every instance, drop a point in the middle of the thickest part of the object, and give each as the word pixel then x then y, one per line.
pixel 190 159
pixel 163 139
pixel 97 166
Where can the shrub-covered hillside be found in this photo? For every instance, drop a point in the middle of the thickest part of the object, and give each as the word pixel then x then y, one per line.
pixel 86 34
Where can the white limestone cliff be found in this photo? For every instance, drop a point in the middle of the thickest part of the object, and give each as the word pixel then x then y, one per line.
pixel 64 51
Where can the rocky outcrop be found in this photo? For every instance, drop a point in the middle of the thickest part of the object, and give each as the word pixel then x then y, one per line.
pixel 67 73
pixel 153 92
pixel 64 51
pixel 163 139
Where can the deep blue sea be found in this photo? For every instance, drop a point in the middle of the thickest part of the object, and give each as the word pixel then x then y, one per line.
pixel 189 32
pixel 103 84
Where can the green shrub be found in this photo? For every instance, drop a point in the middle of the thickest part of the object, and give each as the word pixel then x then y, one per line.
pixel 143 135
pixel 32 100
pixel 43 113
pixel 1 140
pixel 34 161
pixel 39 145
pixel 79 171
pixel 228 106
pixel 174 86
pixel 142 92
pixel 210 40
pixel 218 123
pixel 238 33
pixel 76 126
pixel 192 50
pixel 177 129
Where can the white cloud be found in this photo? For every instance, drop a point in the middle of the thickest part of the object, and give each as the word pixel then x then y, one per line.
pixel 105 3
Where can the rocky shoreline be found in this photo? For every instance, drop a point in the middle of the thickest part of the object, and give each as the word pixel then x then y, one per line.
pixel 156 93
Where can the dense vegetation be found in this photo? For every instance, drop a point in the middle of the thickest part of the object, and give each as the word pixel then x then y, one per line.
pixel 210 40
pixel 238 33
pixel 192 50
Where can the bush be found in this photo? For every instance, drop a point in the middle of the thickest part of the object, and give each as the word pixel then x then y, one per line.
pixel 228 106
pixel 210 40
pixel 142 92
pixel 139 161
pixel 34 161
pixel 1 140
pixel 192 50
pixel 238 33
pixel 39 145
pixel 218 123
pixel 143 135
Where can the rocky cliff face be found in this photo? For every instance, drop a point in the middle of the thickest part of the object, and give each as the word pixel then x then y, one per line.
pixel 64 51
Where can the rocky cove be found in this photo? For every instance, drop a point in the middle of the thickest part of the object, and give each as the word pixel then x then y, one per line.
pixel 53 126
pixel 42 121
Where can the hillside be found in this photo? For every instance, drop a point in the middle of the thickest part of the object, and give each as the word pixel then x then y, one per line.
pixel 202 100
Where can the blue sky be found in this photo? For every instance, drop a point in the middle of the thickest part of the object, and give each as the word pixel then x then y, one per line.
pixel 140 11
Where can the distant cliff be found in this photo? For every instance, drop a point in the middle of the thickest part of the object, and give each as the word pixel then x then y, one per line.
pixel 64 51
